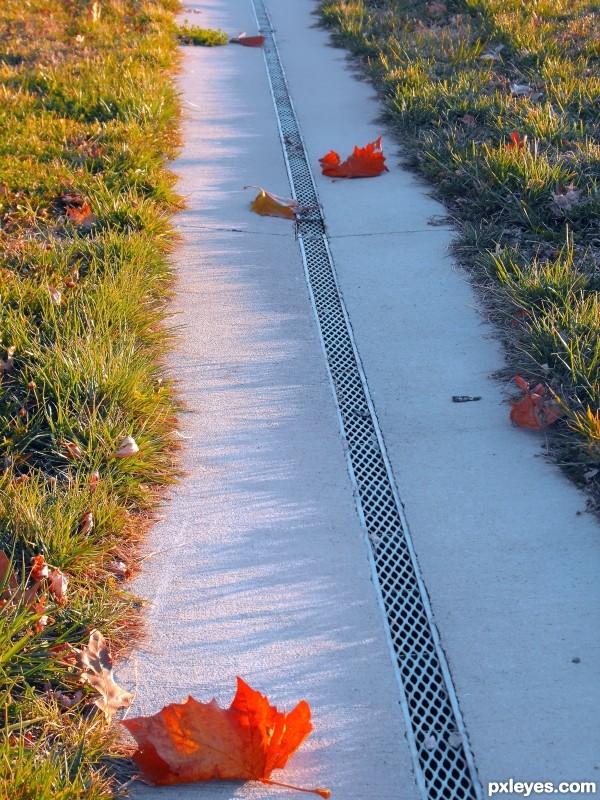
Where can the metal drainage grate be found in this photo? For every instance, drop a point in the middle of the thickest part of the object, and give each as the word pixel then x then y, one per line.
pixel 443 763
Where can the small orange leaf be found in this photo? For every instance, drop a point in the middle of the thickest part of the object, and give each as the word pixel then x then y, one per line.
pixel 82 216
pixel 535 410
pixel 248 41
pixel 196 741
pixel 94 480
pixel 516 142
pixel 39 568
pixel 43 619
pixel 271 205
pixel 365 162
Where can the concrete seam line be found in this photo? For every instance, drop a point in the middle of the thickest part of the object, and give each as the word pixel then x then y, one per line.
pixel 437 738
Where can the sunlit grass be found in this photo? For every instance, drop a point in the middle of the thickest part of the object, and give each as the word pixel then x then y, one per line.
pixel 88 119
pixel 456 84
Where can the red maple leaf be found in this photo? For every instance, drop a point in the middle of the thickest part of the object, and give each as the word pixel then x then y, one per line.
pixel 535 410
pixel 195 741
pixel 365 162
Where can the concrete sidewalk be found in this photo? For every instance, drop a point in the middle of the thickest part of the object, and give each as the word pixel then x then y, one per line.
pixel 262 570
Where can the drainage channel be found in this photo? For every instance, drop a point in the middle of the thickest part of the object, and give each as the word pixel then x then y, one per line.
pixel 442 759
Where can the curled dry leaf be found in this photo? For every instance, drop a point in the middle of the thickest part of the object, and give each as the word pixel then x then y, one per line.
pixel 520 89
pixel 43 620
pixel 72 449
pixel 10 592
pixel 128 447
pixel 535 410
pixel 365 162
pixel 468 120
pixel 268 204
pixel 8 580
pixel 248 41
pixel 196 741
pixel 39 568
pixel 94 480
pixel 55 295
pixel 87 522
pixel 59 583
pixel 6 364
pixel 64 699
pixel 566 199
pixel 119 569
pixel 95 663
pixel 493 54
pixel 524 90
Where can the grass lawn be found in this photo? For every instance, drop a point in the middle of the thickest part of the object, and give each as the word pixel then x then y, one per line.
pixel 496 102
pixel 88 116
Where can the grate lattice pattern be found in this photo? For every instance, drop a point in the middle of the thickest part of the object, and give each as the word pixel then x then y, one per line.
pixel 443 763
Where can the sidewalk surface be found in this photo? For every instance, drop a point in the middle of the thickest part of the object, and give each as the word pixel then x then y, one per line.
pixel 261 569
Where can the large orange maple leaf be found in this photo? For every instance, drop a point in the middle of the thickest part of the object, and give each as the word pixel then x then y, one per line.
pixel 195 741
pixel 365 162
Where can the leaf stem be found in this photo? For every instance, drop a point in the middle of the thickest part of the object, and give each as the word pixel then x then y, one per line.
pixel 321 792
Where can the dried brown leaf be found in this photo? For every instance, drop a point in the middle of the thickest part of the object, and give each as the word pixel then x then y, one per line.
pixel 96 669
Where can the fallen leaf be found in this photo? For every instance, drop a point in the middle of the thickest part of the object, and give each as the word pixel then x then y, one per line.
pixel 87 522
pixel 128 447
pixel 72 449
pixel 493 54
pixel 94 481
pixel 535 410
pixel 248 41
pixel 63 699
pixel 96 669
pixel 455 739
pixel 8 578
pixel 365 162
pixel 82 216
pixel 59 583
pixel 119 569
pixel 436 10
pixel 12 592
pixel 566 199
pixel 43 619
pixel 6 364
pixel 516 142
pixel 271 205
pixel 196 741
pixel 55 295
pixel 468 120
pixel 39 568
